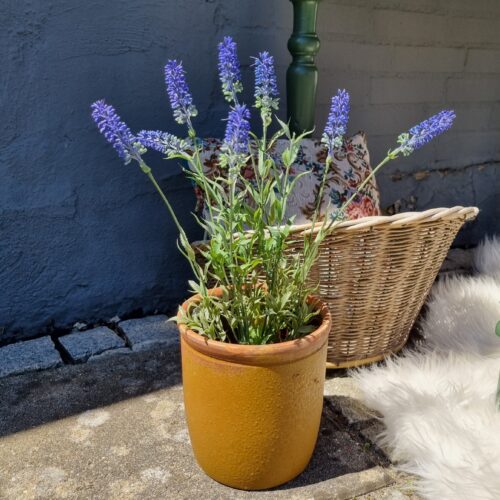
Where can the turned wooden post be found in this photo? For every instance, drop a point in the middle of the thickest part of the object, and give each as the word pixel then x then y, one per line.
pixel 302 74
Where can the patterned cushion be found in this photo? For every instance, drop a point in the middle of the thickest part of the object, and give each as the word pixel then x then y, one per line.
pixel 351 166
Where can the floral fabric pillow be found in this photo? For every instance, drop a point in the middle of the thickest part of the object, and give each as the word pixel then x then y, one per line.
pixel 351 167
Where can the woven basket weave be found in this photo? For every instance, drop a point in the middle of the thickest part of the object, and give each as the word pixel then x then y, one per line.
pixel 375 273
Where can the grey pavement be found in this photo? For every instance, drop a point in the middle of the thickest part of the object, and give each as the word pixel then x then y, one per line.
pixel 115 429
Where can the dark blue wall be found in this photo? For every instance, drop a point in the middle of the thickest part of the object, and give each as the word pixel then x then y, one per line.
pixel 84 237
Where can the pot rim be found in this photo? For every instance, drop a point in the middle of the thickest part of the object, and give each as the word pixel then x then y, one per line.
pixel 260 355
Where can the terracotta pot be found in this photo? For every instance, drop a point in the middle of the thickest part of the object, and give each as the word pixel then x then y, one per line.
pixel 253 412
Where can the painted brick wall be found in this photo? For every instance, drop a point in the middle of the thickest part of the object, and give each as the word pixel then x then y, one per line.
pixel 404 60
pixel 83 237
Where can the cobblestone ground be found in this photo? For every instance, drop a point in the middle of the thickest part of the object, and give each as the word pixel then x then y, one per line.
pixel 114 428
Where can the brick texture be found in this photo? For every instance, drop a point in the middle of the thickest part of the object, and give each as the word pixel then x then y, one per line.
pixel 483 61
pixel 403 61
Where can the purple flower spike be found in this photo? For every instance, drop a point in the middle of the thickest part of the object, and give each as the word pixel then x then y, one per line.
pixel 116 131
pixel 229 70
pixel 165 143
pixel 336 124
pixel 237 130
pixel 424 132
pixel 178 92
pixel 266 88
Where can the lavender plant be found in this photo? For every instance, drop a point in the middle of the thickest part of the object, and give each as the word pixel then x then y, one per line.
pixel 264 286
pixel 229 70
pixel 178 93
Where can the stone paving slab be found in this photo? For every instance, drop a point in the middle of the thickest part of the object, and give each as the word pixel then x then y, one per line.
pixel 28 356
pixel 403 488
pixel 116 430
pixel 345 394
pixel 150 332
pixel 80 346
pixel 109 354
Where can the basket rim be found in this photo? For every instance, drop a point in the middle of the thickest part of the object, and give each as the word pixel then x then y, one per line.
pixel 396 220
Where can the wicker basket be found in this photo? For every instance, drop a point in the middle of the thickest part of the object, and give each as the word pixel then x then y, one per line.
pixel 375 274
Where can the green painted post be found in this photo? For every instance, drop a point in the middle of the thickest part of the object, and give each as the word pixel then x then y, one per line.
pixel 302 74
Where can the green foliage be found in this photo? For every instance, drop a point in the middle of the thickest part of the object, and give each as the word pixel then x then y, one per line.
pixel 264 284
pixel 264 287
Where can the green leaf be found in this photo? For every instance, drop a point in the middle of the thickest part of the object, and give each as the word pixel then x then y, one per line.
pixel 286 157
pixel 284 127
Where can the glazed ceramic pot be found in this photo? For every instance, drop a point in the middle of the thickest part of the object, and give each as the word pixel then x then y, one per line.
pixel 253 412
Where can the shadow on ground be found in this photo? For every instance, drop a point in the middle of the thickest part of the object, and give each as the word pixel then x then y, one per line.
pixel 135 439
pixel 34 399
pixel 340 450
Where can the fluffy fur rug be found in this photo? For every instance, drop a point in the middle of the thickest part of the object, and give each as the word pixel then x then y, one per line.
pixel 438 402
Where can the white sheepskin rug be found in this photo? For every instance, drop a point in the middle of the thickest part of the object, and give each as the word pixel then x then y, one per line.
pixel 438 402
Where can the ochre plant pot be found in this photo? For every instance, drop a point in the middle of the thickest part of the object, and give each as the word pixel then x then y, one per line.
pixel 253 412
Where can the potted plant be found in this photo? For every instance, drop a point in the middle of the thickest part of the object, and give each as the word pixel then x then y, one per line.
pixel 254 347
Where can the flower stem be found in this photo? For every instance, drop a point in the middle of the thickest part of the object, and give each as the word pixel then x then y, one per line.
pixel 149 173
pixel 319 201
pixel 360 187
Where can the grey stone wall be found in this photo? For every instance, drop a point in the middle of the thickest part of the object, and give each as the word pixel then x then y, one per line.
pixel 83 237
pixel 403 60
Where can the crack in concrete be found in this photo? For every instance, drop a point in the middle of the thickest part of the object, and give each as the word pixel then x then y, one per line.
pixel 354 430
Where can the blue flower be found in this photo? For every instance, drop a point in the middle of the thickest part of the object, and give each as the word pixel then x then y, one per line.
pixel 116 131
pixel 165 143
pixel 336 124
pixel 178 92
pixel 266 88
pixel 424 132
pixel 229 70
pixel 237 130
